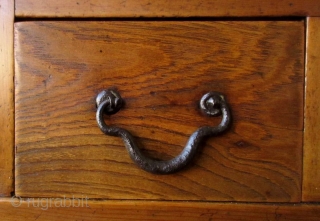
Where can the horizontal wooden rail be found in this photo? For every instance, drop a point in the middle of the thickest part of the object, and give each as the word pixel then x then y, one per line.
pixel 83 209
pixel 166 8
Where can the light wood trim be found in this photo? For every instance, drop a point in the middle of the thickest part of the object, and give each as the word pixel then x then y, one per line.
pixel 6 97
pixel 311 170
pixel 166 8
pixel 40 209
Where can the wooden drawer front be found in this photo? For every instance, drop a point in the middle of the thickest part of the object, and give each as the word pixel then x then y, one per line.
pixel 161 69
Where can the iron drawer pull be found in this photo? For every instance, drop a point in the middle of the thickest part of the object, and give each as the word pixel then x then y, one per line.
pixel 213 104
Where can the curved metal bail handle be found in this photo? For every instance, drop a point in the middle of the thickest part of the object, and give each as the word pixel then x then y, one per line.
pixel 212 104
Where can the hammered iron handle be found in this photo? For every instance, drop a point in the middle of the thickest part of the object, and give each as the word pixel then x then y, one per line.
pixel 213 104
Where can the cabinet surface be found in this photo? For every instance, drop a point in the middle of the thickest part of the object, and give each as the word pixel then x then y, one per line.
pixel 161 69
pixel 304 178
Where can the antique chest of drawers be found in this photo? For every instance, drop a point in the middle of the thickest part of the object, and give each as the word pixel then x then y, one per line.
pixel 261 64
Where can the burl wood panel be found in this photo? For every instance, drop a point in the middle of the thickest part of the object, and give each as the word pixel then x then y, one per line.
pixel 41 209
pixel 161 69
pixel 165 8
pixel 6 97
pixel 311 159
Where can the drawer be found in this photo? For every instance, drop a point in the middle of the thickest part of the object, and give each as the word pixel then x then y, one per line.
pixel 161 69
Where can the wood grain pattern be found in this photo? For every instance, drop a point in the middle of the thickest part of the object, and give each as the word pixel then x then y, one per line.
pixel 161 69
pixel 311 157
pixel 165 8
pixel 6 97
pixel 40 209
